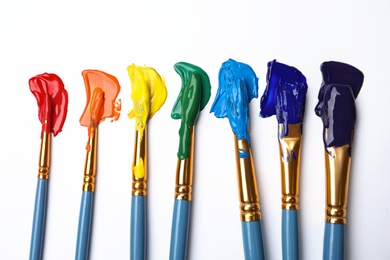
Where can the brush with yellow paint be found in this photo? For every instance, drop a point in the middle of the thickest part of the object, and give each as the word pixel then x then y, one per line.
pixel 148 95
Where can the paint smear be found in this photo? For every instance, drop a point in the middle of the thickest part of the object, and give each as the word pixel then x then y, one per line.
pixel 336 102
pixel 238 85
pixel 148 94
pixel 102 90
pixel 193 97
pixel 285 94
pixel 139 169
pixel 52 99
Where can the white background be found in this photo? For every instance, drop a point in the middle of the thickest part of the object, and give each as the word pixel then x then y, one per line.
pixel 68 37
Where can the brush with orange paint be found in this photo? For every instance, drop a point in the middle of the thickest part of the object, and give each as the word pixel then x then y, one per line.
pixel 102 90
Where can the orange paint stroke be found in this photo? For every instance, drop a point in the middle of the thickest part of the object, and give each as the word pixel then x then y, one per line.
pixel 102 90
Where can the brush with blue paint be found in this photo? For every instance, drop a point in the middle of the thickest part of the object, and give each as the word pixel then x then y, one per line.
pixel 238 85
pixel 285 97
pixel 336 107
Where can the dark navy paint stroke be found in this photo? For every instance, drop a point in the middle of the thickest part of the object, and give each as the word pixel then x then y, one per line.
pixel 334 72
pixel 238 85
pixel 336 102
pixel 285 94
pixel 338 115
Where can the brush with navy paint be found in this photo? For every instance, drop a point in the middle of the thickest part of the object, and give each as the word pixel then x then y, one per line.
pixel 238 85
pixel 336 106
pixel 285 97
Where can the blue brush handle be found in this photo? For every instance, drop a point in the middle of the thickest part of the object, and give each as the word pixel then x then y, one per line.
pixel 85 225
pixel 290 239
pixel 38 228
pixel 334 242
pixel 253 240
pixel 138 228
pixel 180 226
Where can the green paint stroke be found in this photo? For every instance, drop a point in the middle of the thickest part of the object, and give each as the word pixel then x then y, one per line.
pixel 193 97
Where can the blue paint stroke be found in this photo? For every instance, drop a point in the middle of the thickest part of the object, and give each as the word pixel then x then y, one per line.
pixel 238 85
pixel 336 102
pixel 285 94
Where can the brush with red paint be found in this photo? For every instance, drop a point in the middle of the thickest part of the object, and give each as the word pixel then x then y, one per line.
pixel 52 99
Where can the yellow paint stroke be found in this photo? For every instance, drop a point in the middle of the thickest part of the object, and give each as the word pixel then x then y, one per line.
pixel 139 169
pixel 140 95
pixel 157 88
pixel 148 94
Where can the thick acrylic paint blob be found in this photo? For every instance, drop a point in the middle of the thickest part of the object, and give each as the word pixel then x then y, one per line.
pixel 102 90
pixel 336 102
pixel 285 94
pixel 148 94
pixel 139 169
pixel 334 72
pixel 238 85
pixel 194 94
pixel 52 99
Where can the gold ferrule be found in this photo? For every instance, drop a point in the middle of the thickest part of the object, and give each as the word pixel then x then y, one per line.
pixel 290 151
pixel 140 163
pixel 338 163
pixel 247 184
pixel 90 162
pixel 184 172
pixel 44 157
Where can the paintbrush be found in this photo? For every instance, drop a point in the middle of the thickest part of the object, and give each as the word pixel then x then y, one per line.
pixel 285 97
pixel 193 97
pixel 148 95
pixel 52 99
pixel 102 89
pixel 238 85
pixel 336 107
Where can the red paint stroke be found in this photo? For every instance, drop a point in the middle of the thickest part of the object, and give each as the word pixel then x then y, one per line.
pixel 102 90
pixel 52 99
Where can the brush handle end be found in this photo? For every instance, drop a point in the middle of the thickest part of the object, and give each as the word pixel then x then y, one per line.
pixel 180 228
pixel 290 238
pixel 334 241
pixel 85 226
pixel 138 228
pixel 38 229
pixel 253 240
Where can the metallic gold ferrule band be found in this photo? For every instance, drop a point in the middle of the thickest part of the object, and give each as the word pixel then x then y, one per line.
pixel 44 157
pixel 90 162
pixel 290 150
pixel 247 184
pixel 140 160
pixel 184 173
pixel 337 164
